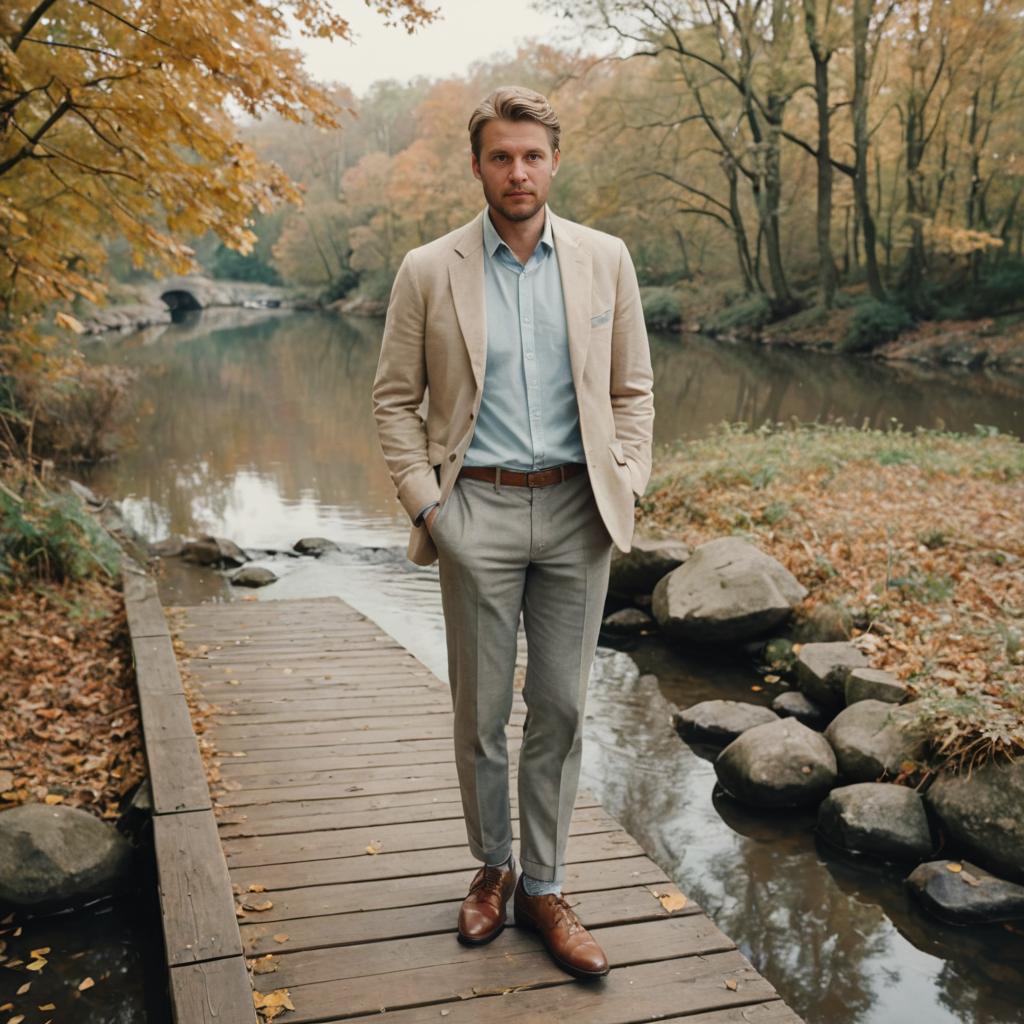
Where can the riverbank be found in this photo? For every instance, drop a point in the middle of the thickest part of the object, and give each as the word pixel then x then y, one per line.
pixel 910 541
pixel 857 325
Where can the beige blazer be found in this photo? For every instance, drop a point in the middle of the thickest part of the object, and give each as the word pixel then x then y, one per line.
pixel 435 345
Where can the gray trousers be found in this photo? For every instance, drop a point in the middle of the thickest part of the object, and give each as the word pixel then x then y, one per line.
pixel 543 553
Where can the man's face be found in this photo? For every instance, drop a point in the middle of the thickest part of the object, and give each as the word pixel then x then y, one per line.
pixel 516 166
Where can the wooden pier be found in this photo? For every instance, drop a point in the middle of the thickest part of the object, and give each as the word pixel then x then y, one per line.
pixel 315 857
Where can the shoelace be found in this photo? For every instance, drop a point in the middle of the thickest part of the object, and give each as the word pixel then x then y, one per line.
pixel 489 881
pixel 564 914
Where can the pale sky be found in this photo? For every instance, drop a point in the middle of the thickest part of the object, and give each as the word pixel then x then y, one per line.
pixel 466 31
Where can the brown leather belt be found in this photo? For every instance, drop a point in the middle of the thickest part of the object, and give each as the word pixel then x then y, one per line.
pixel 517 478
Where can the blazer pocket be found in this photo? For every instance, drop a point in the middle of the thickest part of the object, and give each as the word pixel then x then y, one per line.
pixel 616 448
pixel 601 318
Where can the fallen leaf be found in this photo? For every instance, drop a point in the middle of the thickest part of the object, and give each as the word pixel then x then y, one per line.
pixel 955 868
pixel 265 905
pixel 36 965
pixel 256 887
pixel 85 983
pixel 281 937
pixel 24 988
pixel 375 847
pixel 757 689
pixel 731 984
pixel 265 965
pixel 40 952
pixel 672 901
pixel 772 679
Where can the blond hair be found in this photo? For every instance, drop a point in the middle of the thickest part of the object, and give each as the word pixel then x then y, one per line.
pixel 514 103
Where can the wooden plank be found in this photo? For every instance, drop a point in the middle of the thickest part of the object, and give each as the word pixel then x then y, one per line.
pixel 463 972
pixel 344 898
pixel 142 605
pixel 610 906
pixel 602 846
pixel 281 779
pixel 214 992
pixel 156 667
pixel 195 892
pixel 176 775
pixel 226 730
pixel 165 716
pixel 423 732
pixel 270 755
pixel 261 814
pixel 241 768
pixel 353 842
pixel 692 989
pixel 263 720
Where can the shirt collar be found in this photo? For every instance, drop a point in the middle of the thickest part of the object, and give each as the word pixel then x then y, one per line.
pixel 492 240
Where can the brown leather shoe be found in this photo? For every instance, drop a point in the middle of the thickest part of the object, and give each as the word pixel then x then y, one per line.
pixel 482 914
pixel 571 946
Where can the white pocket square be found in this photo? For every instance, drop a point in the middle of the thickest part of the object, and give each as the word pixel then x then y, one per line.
pixel 601 318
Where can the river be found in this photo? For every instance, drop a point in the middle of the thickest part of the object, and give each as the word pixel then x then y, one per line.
pixel 258 428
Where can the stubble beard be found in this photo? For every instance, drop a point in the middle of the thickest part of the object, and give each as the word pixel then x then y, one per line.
pixel 513 214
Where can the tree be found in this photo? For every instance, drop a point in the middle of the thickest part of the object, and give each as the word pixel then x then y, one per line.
pixel 116 119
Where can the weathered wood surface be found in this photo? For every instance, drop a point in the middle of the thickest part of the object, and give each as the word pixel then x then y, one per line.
pixel 332 741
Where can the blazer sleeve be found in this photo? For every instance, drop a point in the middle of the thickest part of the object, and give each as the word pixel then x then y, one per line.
pixel 632 379
pixel 398 390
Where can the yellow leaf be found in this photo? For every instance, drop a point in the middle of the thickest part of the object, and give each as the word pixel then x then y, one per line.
pixel 40 952
pixel 24 988
pixel 672 901
pixel 731 985
pixel 265 905
pixel 281 937
pixel 86 983
pixel 70 322
pixel 955 868
pixel 375 847
pixel 36 965
pixel 53 798
pixel 256 887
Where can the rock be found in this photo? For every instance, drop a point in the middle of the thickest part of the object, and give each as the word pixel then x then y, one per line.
pixel 821 671
pixel 727 591
pixel 877 818
pixel 627 622
pixel 793 704
pixel 54 857
pixel 778 764
pixel 824 623
pixel 315 546
pixel 984 814
pixel 253 576
pixel 169 547
pixel 637 571
pixel 873 684
pixel 872 739
pixel 612 667
pixel 86 494
pixel 778 655
pixel 213 551
pixel 648 679
pixel 721 720
pixel 969 895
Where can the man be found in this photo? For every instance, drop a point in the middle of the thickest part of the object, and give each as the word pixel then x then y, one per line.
pixel 527 333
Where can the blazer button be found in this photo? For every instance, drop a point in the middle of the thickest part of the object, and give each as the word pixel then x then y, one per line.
pixel 451 458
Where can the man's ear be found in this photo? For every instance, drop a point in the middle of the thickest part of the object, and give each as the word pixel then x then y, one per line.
pixel 474 165
pixel 556 159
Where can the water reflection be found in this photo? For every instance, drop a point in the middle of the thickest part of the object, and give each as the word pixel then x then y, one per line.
pixel 261 430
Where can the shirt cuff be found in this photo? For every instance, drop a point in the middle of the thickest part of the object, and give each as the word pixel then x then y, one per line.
pixel 418 521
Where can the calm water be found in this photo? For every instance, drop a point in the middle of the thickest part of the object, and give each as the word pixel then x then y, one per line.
pixel 261 431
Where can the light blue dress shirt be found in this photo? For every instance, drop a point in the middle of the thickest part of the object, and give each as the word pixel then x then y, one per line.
pixel 528 416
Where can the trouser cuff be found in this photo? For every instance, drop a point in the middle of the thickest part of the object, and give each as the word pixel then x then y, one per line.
pixel 542 872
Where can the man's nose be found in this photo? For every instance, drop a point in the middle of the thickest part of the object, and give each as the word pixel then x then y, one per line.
pixel 518 172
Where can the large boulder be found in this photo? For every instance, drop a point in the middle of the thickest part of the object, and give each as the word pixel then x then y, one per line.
pixel 637 571
pixel 727 591
pixel 209 550
pixel 315 546
pixel 793 704
pixel 53 857
pixel 821 671
pixel 253 576
pixel 873 739
pixel 627 622
pixel 778 764
pixel 983 814
pixel 721 720
pixel 873 684
pixel 879 819
pixel 964 894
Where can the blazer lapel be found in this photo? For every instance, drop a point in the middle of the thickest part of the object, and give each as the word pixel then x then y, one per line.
pixel 576 270
pixel 466 273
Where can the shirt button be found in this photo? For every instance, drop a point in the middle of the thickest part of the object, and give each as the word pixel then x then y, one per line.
pixel 526 319
pixel 529 355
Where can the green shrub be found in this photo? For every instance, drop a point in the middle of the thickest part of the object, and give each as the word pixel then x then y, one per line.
pixel 53 538
pixel 753 311
pixel 874 323
pixel 663 307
